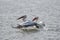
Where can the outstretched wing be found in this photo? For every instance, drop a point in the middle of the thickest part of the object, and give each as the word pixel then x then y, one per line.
pixel 35 19
pixel 22 17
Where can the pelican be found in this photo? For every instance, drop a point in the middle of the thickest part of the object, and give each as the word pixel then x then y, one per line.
pixel 30 24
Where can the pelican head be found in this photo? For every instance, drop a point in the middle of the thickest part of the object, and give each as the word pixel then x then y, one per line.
pixel 41 24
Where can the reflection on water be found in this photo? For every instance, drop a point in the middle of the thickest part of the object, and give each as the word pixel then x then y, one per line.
pixel 27 31
pixel 30 31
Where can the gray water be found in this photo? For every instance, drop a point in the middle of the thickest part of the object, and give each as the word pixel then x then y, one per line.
pixel 47 10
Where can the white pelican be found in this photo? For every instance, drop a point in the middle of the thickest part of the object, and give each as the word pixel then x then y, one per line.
pixel 27 24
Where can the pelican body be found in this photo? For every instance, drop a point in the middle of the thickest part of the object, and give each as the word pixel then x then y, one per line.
pixel 30 24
